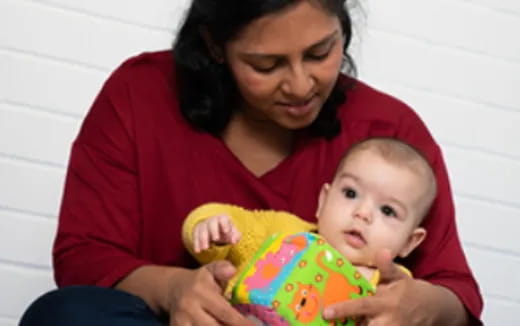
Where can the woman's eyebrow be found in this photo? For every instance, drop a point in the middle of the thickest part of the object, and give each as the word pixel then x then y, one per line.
pixel 323 41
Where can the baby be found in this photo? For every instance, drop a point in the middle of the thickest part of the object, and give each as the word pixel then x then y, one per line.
pixel 381 191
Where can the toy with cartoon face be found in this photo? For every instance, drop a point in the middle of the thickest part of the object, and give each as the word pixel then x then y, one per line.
pixel 310 275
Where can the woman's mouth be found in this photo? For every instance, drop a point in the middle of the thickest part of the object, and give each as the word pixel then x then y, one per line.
pixel 299 108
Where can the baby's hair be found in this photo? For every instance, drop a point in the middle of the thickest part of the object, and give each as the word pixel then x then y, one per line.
pixel 403 155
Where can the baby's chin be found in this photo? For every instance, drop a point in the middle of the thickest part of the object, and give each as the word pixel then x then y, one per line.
pixel 362 263
pixel 356 258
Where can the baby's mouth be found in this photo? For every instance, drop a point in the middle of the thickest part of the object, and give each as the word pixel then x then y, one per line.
pixel 355 238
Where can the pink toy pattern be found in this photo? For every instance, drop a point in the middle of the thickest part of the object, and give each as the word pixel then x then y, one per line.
pixel 268 268
pixel 266 316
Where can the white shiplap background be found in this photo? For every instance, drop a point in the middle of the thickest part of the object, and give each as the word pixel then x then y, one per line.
pixel 457 62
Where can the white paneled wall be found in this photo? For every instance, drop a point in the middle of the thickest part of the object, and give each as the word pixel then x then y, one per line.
pixel 457 62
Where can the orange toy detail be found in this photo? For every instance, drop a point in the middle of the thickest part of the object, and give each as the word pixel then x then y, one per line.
pixel 306 303
pixel 337 286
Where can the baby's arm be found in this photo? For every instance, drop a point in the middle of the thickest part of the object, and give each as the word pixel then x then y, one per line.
pixel 193 243
pixel 209 226
pixel 247 227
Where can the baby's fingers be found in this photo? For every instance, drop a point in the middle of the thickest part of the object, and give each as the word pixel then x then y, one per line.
pixel 229 232
pixel 201 237
pixel 235 235
pixel 215 228
pixel 225 224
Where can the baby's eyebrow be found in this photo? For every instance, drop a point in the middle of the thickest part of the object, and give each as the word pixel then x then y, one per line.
pixel 347 175
pixel 397 202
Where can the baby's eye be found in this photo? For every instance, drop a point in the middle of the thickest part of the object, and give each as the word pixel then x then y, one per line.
pixel 388 211
pixel 350 193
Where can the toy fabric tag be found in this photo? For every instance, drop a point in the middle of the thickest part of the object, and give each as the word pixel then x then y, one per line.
pixel 293 277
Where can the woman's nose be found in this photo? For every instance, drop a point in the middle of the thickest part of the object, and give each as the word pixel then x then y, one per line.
pixel 298 84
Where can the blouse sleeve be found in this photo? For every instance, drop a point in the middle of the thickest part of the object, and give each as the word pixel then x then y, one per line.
pixel 97 241
pixel 440 259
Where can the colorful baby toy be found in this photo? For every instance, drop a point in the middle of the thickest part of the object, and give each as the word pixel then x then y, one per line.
pixel 292 278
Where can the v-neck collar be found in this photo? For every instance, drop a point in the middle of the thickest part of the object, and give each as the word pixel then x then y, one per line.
pixel 278 170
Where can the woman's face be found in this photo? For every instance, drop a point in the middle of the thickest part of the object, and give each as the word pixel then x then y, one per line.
pixel 286 64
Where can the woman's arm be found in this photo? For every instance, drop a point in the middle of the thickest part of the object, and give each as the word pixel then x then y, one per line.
pixel 191 297
pixel 440 259
pixel 99 235
pixel 99 227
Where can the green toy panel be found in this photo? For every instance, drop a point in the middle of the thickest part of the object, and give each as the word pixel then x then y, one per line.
pixel 296 276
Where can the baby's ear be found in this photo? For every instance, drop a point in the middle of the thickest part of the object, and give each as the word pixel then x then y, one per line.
pixel 324 192
pixel 414 240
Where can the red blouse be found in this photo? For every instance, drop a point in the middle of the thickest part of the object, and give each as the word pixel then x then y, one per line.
pixel 137 168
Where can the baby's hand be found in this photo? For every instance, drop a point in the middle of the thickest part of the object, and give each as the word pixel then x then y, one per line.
pixel 216 229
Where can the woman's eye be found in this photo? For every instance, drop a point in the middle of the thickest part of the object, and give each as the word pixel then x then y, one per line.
pixel 350 193
pixel 321 52
pixel 265 69
pixel 388 211
pixel 318 57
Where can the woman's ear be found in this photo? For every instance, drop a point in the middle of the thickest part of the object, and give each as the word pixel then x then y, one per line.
pixel 324 192
pixel 214 50
pixel 414 240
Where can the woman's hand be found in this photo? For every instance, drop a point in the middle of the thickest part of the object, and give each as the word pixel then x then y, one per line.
pixel 196 297
pixel 216 229
pixel 402 300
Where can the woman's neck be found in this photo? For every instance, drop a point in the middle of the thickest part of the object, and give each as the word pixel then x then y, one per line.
pixel 260 145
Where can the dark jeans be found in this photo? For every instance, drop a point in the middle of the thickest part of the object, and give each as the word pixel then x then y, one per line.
pixel 88 306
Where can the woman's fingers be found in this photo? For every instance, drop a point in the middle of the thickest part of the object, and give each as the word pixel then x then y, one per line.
pixel 197 299
pixel 209 311
pixel 198 317
pixel 375 305
pixel 221 310
pixel 215 304
pixel 389 272
pixel 221 270
pixel 368 306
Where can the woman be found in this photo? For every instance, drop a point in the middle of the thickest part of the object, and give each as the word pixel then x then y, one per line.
pixel 253 111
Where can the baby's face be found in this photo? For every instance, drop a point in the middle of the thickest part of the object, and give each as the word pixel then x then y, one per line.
pixel 372 205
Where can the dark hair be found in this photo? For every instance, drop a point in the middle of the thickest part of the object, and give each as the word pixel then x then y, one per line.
pixel 207 90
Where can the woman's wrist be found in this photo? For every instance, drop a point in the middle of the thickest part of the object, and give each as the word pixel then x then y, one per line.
pixel 451 310
pixel 153 284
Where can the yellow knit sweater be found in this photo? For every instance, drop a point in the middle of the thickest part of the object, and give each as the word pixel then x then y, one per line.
pixel 255 226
